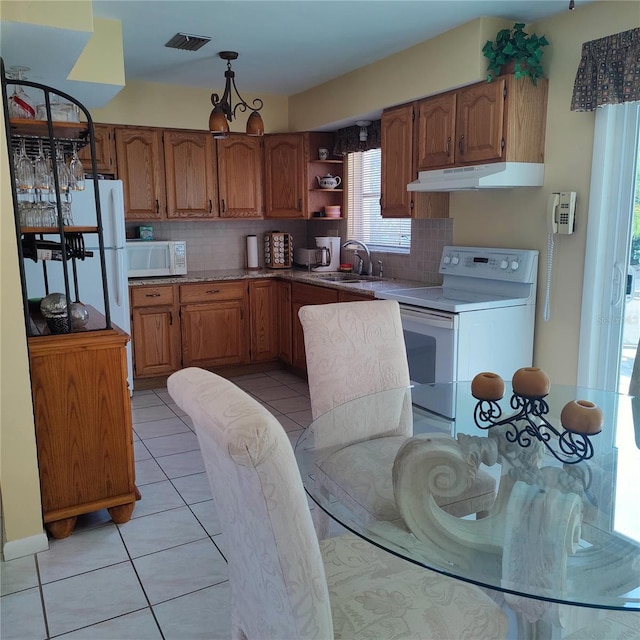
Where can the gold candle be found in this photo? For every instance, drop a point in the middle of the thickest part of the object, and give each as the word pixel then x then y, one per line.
pixel 487 386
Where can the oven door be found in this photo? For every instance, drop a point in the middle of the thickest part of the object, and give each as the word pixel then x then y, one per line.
pixel 430 339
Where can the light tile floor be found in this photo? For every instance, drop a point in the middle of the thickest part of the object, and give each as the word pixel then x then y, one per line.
pixel 163 574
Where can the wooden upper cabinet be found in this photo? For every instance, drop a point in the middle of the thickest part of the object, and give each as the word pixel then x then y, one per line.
pixel 104 141
pixel 397 162
pixel 479 120
pixel 240 176
pixel 190 174
pixel 436 131
pixel 285 178
pixel 141 169
pixel 497 121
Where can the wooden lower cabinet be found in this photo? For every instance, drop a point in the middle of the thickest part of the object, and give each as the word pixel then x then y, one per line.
pixel 84 435
pixel 155 327
pixel 301 295
pixel 348 296
pixel 214 322
pixel 263 312
pixel 284 321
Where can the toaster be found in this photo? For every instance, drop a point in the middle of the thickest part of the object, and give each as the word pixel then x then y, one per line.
pixel 306 257
pixel 278 250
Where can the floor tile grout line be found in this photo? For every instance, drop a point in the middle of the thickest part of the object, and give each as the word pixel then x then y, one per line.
pixel 45 617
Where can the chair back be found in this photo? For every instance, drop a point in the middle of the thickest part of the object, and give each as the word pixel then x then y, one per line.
pixel 278 583
pixel 353 349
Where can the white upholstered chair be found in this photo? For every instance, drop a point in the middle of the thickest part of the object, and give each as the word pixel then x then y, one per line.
pixel 354 349
pixel 285 585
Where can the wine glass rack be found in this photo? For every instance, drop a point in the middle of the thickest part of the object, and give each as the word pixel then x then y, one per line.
pixel 63 136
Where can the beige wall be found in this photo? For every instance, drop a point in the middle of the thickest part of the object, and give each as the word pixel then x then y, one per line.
pixel 511 218
pixel 159 105
pixel 22 517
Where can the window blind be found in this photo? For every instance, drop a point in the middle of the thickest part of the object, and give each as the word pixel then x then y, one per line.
pixel 363 198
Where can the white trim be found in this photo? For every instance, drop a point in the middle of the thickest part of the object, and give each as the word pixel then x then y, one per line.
pixel 615 148
pixel 25 546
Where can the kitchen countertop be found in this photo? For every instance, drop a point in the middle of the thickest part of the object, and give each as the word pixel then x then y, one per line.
pixel 369 287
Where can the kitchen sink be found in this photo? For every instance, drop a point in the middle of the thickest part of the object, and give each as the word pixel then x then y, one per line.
pixel 345 277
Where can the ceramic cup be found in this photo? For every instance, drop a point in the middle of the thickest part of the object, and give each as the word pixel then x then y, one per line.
pixel 323 153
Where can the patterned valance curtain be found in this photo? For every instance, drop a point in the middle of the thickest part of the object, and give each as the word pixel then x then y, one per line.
pixel 348 139
pixel 609 72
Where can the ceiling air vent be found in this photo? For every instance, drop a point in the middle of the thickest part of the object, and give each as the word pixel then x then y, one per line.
pixel 187 42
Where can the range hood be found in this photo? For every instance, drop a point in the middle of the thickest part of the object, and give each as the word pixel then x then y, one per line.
pixel 500 175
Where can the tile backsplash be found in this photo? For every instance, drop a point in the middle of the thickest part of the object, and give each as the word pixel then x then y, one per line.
pixel 221 244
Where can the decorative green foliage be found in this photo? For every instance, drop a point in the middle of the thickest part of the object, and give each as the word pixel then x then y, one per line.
pixel 518 46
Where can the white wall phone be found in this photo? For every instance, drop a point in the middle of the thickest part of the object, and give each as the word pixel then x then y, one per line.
pixel 561 218
pixel 561 212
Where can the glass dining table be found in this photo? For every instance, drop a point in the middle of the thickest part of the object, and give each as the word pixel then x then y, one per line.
pixel 561 531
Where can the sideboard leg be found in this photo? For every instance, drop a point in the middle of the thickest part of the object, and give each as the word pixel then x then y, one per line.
pixel 61 528
pixel 121 513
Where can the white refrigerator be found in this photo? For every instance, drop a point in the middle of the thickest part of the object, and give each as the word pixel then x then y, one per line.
pixel 83 210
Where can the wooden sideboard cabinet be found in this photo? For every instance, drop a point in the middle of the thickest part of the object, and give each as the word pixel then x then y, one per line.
pixel 214 320
pixel 84 435
pixel 155 329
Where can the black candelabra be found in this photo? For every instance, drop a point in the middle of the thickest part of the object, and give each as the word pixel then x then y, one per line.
pixel 580 419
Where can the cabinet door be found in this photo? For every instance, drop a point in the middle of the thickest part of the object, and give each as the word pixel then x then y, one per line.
pixel 156 341
pixel 284 321
pixel 479 122
pixel 397 162
pixel 436 136
pixel 285 182
pixel 141 169
pixel 189 160
pixel 104 141
pixel 263 311
pixel 301 295
pixel 240 171
pixel 214 334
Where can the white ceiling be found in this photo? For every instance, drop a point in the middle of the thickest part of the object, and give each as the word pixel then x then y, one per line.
pixel 288 46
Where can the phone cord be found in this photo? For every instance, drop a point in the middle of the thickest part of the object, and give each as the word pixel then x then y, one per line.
pixel 547 294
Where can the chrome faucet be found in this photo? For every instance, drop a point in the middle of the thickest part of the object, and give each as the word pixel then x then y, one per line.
pixel 347 245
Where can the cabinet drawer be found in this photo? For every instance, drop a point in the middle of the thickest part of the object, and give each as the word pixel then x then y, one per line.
pixel 151 296
pixel 212 291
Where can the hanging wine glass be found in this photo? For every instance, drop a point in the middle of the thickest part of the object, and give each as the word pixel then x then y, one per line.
pixel 25 176
pixel 20 104
pixel 63 170
pixel 41 169
pixel 76 171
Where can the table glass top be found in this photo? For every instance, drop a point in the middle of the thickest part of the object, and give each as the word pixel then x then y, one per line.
pixel 558 531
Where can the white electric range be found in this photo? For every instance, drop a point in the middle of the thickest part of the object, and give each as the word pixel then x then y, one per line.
pixel 481 319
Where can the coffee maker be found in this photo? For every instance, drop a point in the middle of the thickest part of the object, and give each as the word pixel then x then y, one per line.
pixel 329 253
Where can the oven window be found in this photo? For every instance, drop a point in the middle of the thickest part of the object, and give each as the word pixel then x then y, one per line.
pixel 421 354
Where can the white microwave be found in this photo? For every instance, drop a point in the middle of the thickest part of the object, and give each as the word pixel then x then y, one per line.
pixel 146 258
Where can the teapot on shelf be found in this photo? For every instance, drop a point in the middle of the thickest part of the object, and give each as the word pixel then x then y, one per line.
pixel 328 181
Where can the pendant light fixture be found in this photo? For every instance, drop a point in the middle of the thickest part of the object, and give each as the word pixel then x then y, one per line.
pixel 223 109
